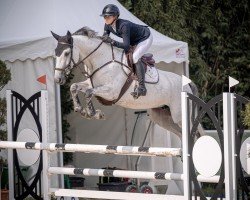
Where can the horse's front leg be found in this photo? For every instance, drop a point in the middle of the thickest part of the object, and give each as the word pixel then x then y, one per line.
pixel 75 89
pixel 101 91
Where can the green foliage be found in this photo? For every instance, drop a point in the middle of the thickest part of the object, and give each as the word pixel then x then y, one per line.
pixel 246 115
pixel 217 33
pixel 3 132
pixel 67 107
pixel 5 77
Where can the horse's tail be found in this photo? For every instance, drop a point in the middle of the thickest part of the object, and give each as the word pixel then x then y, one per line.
pixel 195 92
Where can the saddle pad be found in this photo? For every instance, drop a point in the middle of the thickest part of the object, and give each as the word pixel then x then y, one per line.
pixel 151 75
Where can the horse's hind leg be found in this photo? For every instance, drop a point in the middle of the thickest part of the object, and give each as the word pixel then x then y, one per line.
pixel 163 118
pixel 91 111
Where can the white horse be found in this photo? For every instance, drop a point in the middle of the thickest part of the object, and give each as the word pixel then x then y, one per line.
pixel 106 76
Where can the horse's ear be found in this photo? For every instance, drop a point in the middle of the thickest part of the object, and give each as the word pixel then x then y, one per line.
pixel 55 35
pixel 69 38
pixel 68 34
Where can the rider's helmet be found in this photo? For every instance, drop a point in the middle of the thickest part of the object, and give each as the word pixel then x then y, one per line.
pixel 110 10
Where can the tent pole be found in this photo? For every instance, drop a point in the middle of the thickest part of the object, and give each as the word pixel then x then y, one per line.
pixel 126 136
pixel 59 128
pixel 186 68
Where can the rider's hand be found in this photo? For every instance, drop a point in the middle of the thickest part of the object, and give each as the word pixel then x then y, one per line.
pixel 107 39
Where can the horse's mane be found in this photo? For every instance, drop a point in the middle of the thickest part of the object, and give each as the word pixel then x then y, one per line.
pixel 86 31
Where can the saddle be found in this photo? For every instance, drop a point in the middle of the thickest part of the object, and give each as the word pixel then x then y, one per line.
pixel 147 59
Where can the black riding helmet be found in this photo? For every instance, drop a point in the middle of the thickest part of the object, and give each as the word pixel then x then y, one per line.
pixel 110 10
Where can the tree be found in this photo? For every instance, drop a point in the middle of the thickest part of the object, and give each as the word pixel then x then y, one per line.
pixel 246 115
pixel 5 77
pixel 67 107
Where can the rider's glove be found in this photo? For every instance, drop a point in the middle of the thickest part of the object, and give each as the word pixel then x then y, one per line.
pixel 107 39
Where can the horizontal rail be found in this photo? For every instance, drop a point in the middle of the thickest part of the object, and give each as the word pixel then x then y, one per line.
pixel 112 195
pixel 127 174
pixel 89 148
pixel 115 173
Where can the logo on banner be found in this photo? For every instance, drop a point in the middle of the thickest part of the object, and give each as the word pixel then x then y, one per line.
pixel 180 53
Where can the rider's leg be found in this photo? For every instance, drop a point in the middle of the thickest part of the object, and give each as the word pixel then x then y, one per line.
pixel 140 71
pixel 139 51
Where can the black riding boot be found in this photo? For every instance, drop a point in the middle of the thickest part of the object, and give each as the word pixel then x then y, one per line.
pixel 140 71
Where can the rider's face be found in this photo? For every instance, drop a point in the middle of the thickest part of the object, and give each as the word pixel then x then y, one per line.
pixel 109 19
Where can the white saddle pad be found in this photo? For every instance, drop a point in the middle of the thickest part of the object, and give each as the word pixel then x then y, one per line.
pixel 151 75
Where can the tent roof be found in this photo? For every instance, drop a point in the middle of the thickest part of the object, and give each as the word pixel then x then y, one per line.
pixel 25 28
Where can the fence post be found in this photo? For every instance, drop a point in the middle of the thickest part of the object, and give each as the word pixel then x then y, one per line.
pixel 233 129
pixel 45 135
pixel 229 142
pixel 185 145
pixel 10 138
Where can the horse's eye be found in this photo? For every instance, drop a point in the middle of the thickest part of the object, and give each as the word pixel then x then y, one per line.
pixel 66 53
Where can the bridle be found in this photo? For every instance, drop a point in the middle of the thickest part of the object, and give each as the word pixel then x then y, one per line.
pixel 67 69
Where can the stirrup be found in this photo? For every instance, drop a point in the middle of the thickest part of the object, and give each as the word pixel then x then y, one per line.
pixel 139 92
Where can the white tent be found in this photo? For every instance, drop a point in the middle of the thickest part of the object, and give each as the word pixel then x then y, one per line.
pixel 25 28
pixel 27 47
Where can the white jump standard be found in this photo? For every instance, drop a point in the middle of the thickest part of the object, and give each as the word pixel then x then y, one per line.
pixel 189 178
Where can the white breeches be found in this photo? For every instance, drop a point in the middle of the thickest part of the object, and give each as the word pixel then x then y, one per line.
pixel 142 48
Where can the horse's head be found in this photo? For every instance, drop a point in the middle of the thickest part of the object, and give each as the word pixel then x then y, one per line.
pixel 64 56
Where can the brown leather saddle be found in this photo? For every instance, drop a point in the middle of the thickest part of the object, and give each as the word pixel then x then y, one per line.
pixel 147 59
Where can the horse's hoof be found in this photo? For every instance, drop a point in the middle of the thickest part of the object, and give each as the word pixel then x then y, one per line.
pixel 84 114
pixel 99 115
pixel 78 109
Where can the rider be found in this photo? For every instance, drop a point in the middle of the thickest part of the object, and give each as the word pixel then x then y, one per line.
pixel 132 34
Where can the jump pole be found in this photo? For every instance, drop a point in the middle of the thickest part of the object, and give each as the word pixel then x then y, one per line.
pixel 100 149
pixel 113 195
pixel 128 174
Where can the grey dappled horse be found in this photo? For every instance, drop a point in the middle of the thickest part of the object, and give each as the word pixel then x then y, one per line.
pixel 106 72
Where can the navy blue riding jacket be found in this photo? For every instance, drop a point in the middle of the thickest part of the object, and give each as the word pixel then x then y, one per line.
pixel 131 33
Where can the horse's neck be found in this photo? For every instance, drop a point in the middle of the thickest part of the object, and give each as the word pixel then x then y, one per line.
pixel 100 57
